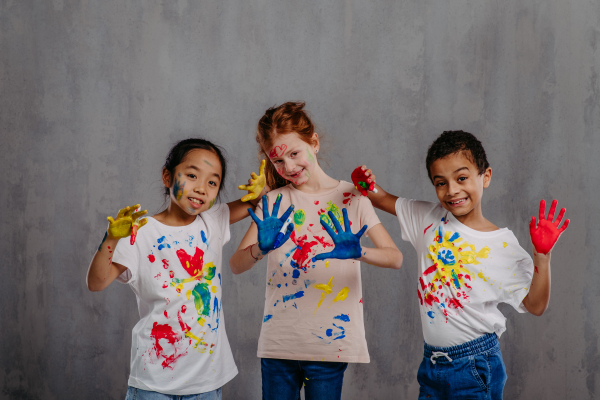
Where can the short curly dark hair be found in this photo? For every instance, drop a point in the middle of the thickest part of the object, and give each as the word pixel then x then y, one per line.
pixel 450 142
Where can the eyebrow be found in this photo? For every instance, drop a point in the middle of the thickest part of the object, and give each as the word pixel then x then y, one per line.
pixel 441 177
pixel 199 170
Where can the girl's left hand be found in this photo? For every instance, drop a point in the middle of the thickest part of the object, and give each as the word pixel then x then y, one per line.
pixel 270 227
pixel 122 226
pixel 347 244
pixel 255 185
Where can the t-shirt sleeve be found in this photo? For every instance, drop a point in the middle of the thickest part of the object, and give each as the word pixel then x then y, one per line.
pixel 218 218
pixel 411 214
pixel 128 256
pixel 366 214
pixel 519 282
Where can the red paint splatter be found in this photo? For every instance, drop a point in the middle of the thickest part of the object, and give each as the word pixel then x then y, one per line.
pixel 157 276
pixel 183 308
pixel 422 284
pixel 166 332
pixel 165 285
pixel 420 298
pixel 429 299
pixel 536 269
pixel 430 269
pixel 348 200
pixel 467 276
pixel 324 243
pixel 302 255
pixel 165 263
pixel 108 247
pixel 151 258
pixel 167 300
pixel 278 151
pixel 453 303
pixel 172 274
pixel 427 229
pixel 193 265
pixel 184 327
pixel 360 300
pixel 316 202
pixel 166 315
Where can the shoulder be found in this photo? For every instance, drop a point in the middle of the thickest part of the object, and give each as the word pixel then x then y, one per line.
pixel 419 207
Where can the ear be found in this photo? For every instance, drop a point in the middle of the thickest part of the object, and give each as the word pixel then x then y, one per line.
pixel 166 178
pixel 317 143
pixel 487 177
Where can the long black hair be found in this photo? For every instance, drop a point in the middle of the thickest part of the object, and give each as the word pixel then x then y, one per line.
pixel 180 150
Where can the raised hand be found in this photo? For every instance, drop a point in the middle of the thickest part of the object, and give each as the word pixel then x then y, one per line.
pixel 270 226
pixel 122 225
pixel 545 235
pixel 255 185
pixel 347 244
pixel 363 179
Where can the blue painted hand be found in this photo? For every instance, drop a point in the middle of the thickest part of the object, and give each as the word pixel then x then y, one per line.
pixel 446 256
pixel 271 226
pixel 347 244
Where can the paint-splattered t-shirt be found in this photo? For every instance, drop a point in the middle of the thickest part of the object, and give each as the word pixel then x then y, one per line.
pixel 314 310
pixel 463 273
pixel 179 346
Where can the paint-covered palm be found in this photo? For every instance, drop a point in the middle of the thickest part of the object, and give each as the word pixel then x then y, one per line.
pixel 347 244
pixel 255 185
pixel 270 226
pixel 545 235
pixel 121 226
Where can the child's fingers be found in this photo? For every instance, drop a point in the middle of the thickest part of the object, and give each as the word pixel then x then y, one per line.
pixel 287 213
pixel 110 220
pixel 552 210
pixel 265 207
pixel 532 224
pixel 564 226
pixel 131 210
pixel 253 175
pixel 542 209
pixel 254 217
pixel 346 221
pixel 361 232
pixel 560 216
pixel 122 212
pixel 143 222
pixel 261 171
pixel 336 223
pixel 373 177
pixel 322 256
pixel 139 214
pixel 327 228
pixel 372 187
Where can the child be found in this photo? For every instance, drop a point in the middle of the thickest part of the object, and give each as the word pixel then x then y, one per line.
pixel 313 319
pixel 467 266
pixel 179 346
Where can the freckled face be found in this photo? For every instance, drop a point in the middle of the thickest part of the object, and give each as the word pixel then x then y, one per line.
pixel 458 185
pixel 293 158
pixel 195 184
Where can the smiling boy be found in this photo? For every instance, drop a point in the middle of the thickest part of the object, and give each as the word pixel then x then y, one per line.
pixel 467 267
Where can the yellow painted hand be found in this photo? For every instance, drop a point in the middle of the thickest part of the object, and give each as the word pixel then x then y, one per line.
pixel 121 226
pixel 255 185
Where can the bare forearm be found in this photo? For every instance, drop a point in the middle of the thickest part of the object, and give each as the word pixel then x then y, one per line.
pixel 383 200
pixel 538 298
pixel 385 257
pixel 244 259
pixel 99 272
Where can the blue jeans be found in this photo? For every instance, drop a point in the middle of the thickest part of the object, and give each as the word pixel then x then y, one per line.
pixel 283 379
pixel 472 370
pixel 139 394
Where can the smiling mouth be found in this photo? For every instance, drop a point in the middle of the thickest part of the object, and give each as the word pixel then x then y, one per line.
pixel 457 202
pixel 297 174
pixel 195 201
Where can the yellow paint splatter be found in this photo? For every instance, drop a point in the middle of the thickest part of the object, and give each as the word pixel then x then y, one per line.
pixel 188 294
pixel 214 289
pixel 201 321
pixel 504 244
pixel 327 288
pixel 341 296
pixel 326 264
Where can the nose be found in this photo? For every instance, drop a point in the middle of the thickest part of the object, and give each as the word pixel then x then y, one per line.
pixel 200 188
pixel 289 165
pixel 453 188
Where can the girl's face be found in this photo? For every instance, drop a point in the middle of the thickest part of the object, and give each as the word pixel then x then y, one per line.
pixel 195 184
pixel 293 158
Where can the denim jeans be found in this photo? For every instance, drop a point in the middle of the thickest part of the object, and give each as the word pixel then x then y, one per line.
pixel 283 379
pixel 139 394
pixel 469 371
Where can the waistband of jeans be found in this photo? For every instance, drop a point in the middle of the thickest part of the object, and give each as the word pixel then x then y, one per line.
pixel 471 348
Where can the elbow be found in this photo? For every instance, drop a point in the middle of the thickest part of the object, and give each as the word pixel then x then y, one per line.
pixel 95 286
pixel 398 261
pixel 234 267
pixel 539 311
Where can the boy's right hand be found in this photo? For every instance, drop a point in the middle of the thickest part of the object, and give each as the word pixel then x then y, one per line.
pixel 545 235
pixel 121 226
pixel 363 179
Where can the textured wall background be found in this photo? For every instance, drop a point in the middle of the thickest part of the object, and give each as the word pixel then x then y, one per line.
pixel 93 94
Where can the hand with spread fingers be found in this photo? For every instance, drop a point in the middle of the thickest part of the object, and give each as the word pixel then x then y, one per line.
pixel 546 233
pixel 364 180
pixel 255 185
pixel 270 226
pixel 122 225
pixel 347 244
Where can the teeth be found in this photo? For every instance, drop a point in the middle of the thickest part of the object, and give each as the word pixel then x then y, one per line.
pixel 196 201
pixel 458 201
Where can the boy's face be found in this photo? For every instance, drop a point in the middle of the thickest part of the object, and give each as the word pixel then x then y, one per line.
pixel 458 184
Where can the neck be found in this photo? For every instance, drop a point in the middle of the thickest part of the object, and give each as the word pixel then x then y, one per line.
pixel 475 220
pixel 317 182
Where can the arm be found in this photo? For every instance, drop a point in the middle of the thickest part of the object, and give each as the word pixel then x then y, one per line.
pixel 102 271
pixel 347 244
pixel 256 187
pixel 248 253
pixel 543 237
pixel 379 197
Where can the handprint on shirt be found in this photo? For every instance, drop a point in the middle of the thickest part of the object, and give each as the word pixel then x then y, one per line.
pixel 446 256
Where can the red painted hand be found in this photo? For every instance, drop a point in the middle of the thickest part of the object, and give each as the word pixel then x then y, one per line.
pixel 545 235
pixel 361 178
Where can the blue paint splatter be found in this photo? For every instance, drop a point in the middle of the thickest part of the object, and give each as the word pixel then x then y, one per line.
pixel 267 317
pixel 203 237
pixel 431 314
pixel 454 237
pixel 455 280
pixel 216 310
pixel 297 295
pixel 220 283
pixel 446 256
pixel 296 274
pixel 308 282
pixel 343 317
pixel 295 306
pixel 163 245
pixel 284 274
pixel 336 335
pixel 279 285
pixel 440 235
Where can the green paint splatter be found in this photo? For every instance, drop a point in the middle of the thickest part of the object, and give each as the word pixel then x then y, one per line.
pixel 210 274
pixel 207 162
pixel 299 217
pixel 311 159
pixel 212 202
pixel 202 298
pixel 336 212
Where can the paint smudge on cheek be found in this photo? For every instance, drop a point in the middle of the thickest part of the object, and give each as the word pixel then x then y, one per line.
pixel 177 188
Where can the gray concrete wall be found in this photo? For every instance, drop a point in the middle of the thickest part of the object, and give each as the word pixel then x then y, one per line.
pixel 93 94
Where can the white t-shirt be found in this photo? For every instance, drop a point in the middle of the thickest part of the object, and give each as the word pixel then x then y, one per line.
pixel 463 273
pixel 179 346
pixel 314 310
